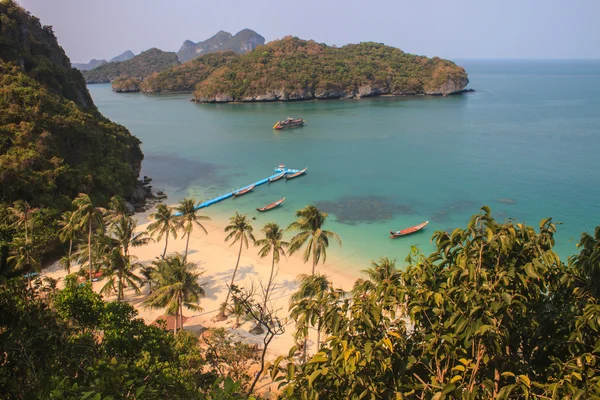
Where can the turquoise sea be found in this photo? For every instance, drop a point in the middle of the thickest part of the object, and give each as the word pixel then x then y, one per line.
pixel 526 143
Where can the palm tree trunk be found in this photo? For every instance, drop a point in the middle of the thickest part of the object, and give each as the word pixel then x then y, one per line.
pixel 166 243
pixel 221 315
pixel 187 242
pixel 180 315
pixel 90 251
pixel 176 317
pixel 270 281
pixel 69 260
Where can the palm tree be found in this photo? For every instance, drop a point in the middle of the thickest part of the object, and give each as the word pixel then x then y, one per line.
pixel 308 303
pixel 310 224
pixel 68 232
pixel 272 243
pixel 187 218
pixel 22 213
pixel 165 223
pixel 24 258
pixel 123 230
pixel 176 286
pixel 240 230
pixel 384 282
pixel 147 272
pixel 118 269
pixel 88 217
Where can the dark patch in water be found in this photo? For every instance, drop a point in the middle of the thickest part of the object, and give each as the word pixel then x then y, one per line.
pixel 181 172
pixel 455 207
pixel 363 209
pixel 506 201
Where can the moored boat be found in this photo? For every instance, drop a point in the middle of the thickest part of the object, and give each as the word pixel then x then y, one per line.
pixel 277 177
pixel 271 206
pixel 408 231
pixel 289 123
pixel 291 176
pixel 243 191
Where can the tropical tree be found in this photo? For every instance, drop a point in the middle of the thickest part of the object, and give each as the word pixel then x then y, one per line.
pixel 312 236
pixel 147 273
pixel 165 223
pixel 187 218
pixel 176 286
pixel 24 259
pixel 21 216
pixel 88 217
pixel 240 230
pixel 272 243
pixel 68 233
pixel 123 230
pixel 118 269
pixel 307 305
pixel 385 280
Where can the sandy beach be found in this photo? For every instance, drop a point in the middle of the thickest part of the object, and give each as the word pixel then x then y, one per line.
pixel 216 259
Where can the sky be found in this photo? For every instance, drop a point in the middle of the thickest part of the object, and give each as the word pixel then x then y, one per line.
pixel 453 29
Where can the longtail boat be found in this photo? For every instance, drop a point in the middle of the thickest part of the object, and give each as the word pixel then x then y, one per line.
pixel 408 231
pixel 271 206
pixel 289 123
pixel 291 176
pixel 277 177
pixel 243 191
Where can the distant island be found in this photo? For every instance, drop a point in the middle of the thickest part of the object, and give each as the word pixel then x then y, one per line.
pixel 295 69
pixel 140 66
pixel 96 63
pixel 242 42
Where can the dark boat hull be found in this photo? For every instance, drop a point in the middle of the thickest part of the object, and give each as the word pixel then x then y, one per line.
pixel 242 192
pixel 299 173
pixel 408 231
pixel 271 206
pixel 278 177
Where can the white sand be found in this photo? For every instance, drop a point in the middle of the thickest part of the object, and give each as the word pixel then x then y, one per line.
pixel 217 259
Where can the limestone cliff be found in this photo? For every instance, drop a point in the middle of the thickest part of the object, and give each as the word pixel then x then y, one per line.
pixel 242 42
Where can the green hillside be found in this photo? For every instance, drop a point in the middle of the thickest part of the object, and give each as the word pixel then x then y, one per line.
pixel 295 69
pixel 140 66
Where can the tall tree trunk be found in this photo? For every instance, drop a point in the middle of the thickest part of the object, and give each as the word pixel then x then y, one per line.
pixel 90 252
pixel 221 316
pixel 69 259
pixel 181 315
pixel 166 243
pixel 270 281
pixel 187 242
pixel 176 318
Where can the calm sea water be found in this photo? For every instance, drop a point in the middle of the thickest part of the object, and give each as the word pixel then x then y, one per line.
pixel 526 144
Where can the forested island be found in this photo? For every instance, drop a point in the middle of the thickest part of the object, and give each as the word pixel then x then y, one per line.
pixel 138 67
pixel 295 69
pixel 491 312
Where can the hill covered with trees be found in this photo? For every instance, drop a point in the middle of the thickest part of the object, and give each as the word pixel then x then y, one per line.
pixel 53 141
pixel 185 77
pixel 140 66
pixel 295 69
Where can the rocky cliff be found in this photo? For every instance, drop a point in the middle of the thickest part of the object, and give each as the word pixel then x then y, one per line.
pixel 294 69
pixel 242 42
pixel 91 65
pixel 127 55
pixel 53 141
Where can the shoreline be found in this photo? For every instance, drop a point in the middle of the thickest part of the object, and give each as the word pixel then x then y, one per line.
pixel 216 258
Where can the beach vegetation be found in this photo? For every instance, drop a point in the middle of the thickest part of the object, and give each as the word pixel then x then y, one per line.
pixel 164 224
pixel 175 286
pixel 239 230
pixel 188 217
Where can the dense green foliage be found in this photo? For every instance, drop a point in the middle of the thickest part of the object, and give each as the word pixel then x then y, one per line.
pixel 140 66
pixel 491 313
pixel 53 142
pixel 294 69
pixel 126 84
pixel 185 77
